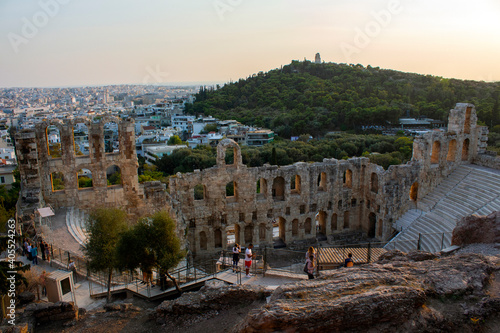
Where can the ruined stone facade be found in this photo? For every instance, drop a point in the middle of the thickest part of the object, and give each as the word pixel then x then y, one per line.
pixel 304 199
pixel 38 166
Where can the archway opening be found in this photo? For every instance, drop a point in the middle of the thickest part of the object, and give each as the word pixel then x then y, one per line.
pixel 114 175
pixel 295 184
pixel 217 238
pixel 372 222
pixel 53 136
pixel 262 188
pixel 199 192
pixel 229 156
pixel 465 150
pixel 414 192
pixel 322 182
pixel 322 222
pixel 436 150
pixel 81 139
pixel 282 229
pixel 203 240
pixel 231 190
pixel 84 178
pixel 111 140
pixel 452 151
pixel 279 189
pixel 57 180
pixel 348 178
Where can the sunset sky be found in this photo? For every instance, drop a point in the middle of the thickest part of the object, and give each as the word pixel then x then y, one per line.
pixel 48 43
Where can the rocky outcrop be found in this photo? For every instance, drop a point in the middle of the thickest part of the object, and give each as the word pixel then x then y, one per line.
pixel 393 294
pixel 477 229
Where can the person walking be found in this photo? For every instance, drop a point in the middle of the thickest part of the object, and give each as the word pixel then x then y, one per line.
pixel 28 249
pixel 47 251
pixel 236 256
pixel 34 254
pixel 311 252
pixel 72 268
pixel 248 259
pixel 348 262
pixel 310 267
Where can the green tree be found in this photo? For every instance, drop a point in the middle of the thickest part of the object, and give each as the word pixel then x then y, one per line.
pixel 152 242
pixel 105 226
pixel 174 140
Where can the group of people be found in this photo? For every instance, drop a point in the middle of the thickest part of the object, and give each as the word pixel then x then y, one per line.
pixel 248 258
pixel 31 250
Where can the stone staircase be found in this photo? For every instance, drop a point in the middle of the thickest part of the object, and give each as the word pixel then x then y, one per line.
pixel 75 221
pixel 470 189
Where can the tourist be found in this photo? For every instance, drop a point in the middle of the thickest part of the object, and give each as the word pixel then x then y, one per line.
pixel 42 249
pixel 43 277
pixel 25 247
pixel 28 249
pixel 236 256
pixel 47 251
pixel 72 268
pixel 34 254
pixel 248 259
pixel 310 267
pixel 348 261
pixel 311 252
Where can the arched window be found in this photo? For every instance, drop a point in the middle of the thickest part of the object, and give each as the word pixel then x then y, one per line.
pixel 322 182
pixel 57 180
pixel 231 190
pixel 229 156
pixel 81 139
pixel 295 228
pixel 203 240
pixel 114 175
pixel 111 139
pixel 282 228
pixel 199 192
pixel 346 220
pixel 374 183
pixel 414 192
pixel 217 238
pixel 279 189
pixel 334 222
pixel 436 150
pixel 262 188
pixel 348 178
pixel 295 184
pixel 54 142
pixel 322 222
pixel 465 150
pixel 307 226
pixel 84 178
pixel 452 151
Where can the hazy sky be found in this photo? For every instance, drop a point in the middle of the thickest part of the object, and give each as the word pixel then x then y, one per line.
pixel 91 42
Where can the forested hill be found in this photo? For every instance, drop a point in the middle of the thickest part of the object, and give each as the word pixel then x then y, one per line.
pixel 305 97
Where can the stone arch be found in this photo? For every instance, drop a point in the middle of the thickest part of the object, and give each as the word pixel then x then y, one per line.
pixel 262 232
pixel 467 122
pixel 436 150
pixel 261 187
pixel 81 138
pixel 278 189
pixel 54 141
pixel 346 219
pixel 84 178
pixel 348 178
pixel 57 181
pixel 203 240
pixel 372 222
pixel 374 183
pixel 114 175
pixel 334 222
pixel 248 234
pixel 465 150
pixel 322 181
pixel 111 135
pixel 221 152
pixel 295 184
pixel 295 228
pixel 414 192
pixel 199 192
pixel 452 151
pixel 308 226
pixel 217 238
pixel 322 222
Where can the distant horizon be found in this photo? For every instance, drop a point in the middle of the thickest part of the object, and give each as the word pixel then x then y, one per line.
pixel 75 43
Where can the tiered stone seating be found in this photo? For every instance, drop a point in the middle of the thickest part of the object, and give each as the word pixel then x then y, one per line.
pixel 75 221
pixel 470 189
